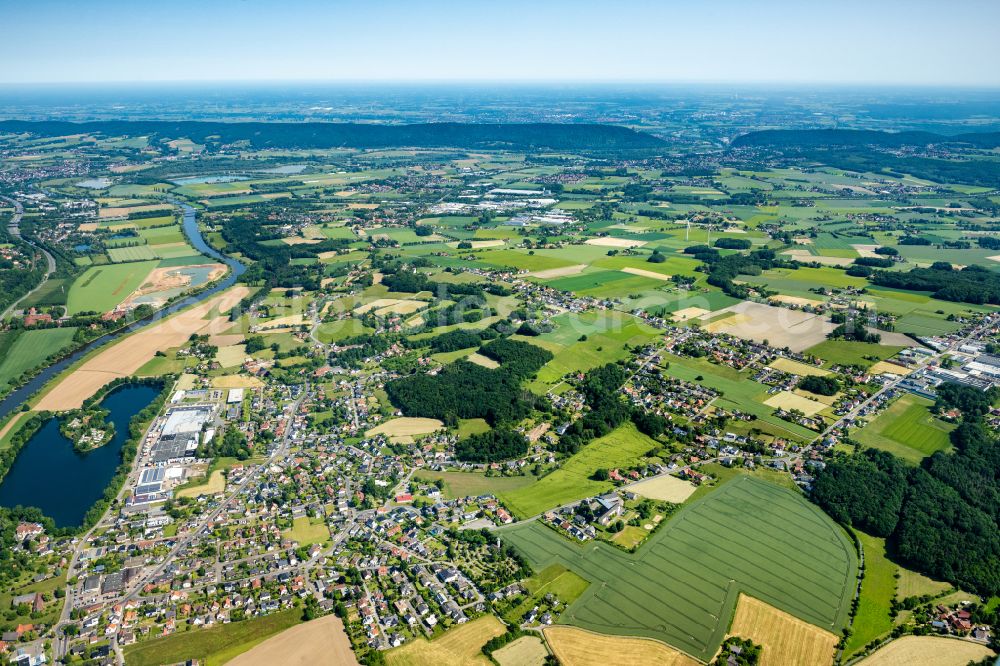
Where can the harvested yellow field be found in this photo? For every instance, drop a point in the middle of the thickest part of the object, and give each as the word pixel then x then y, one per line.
pixel 231 356
pixel 525 651
pixel 88 227
pixel 927 651
pixel 781 327
pixel 358 206
pixel 320 642
pixel 479 359
pixel 644 273
pixel 893 369
pixel 565 271
pixel 404 307
pixel 787 400
pixel 480 244
pixel 280 322
pixel 579 647
pixel 186 382
pixel 406 426
pixel 867 251
pixel 122 211
pixel 237 381
pixel 730 321
pixel 667 488
pixel 787 640
pixel 225 339
pixel 794 300
pixel 125 357
pixel 796 368
pixel 383 306
pixel 828 400
pixel 215 484
pixel 807 257
pixel 690 313
pixel 461 646
pixel 299 240
pixel 608 241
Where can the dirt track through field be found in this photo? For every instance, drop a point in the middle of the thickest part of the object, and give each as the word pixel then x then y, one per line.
pixel 125 357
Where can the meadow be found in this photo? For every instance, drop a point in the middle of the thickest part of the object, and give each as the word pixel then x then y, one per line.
pixel 572 481
pixel 682 586
pixel 102 288
pixel 907 429
pixel 878 588
pixel 471 484
pixel 30 348
pixel 845 352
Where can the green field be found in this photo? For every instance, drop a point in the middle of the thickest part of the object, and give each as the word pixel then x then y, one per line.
pixel 878 588
pixel 137 253
pixel 907 429
pixel 101 288
pixel 341 329
pixel 307 531
pixel 621 447
pixel 30 348
pixel 213 646
pixel 605 283
pixel 681 587
pixel 521 260
pixel 844 352
pixel 466 484
pixel 555 579
pixel 607 332
pixel 738 391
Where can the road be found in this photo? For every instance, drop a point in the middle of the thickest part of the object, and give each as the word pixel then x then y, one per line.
pixel 14 228
pixel 60 643
pixel 923 363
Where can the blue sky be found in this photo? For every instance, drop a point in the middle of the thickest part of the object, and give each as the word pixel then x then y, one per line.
pixel 749 41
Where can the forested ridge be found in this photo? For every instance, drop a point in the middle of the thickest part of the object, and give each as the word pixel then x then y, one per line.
pixel 869 150
pixel 941 518
pixel 585 136
pixel 822 138
pixel 972 284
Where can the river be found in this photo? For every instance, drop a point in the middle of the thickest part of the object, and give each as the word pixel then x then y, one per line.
pixel 12 402
pixel 49 474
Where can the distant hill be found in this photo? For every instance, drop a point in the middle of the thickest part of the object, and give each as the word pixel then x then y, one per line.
pixel 833 138
pixel 518 136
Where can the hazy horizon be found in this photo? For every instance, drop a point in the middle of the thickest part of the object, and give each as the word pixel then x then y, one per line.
pixel 848 43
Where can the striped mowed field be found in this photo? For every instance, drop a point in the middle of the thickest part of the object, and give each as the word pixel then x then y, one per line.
pixel 748 536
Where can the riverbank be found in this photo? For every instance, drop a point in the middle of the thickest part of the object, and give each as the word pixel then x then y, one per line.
pixel 30 390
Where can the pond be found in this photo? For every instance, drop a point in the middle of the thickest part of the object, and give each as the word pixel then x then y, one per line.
pixel 207 180
pixel 287 169
pixel 49 474
pixel 94 183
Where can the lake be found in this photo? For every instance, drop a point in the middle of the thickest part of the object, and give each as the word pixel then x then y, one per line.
pixel 64 484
